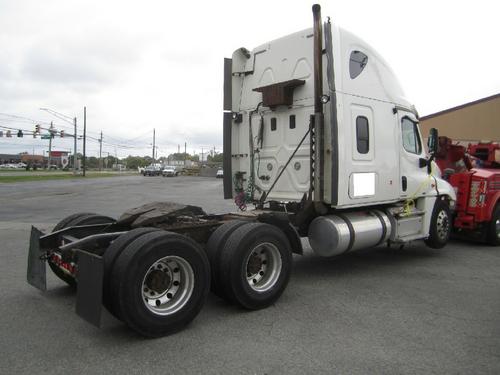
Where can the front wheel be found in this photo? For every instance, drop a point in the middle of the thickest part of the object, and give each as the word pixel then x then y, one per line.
pixel 440 228
pixel 493 229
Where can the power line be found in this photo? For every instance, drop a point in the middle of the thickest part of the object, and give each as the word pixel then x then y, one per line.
pixel 120 143
pixel 27 120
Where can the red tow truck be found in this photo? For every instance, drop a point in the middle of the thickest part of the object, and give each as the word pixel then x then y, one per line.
pixel 474 172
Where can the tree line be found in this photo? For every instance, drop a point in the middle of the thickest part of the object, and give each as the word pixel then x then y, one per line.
pixel 134 162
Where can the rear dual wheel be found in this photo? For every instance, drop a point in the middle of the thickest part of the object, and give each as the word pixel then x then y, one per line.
pixel 214 248
pixel 82 218
pixel 109 259
pixel 159 283
pixel 254 265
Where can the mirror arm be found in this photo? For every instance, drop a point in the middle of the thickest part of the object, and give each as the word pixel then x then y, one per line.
pixel 429 163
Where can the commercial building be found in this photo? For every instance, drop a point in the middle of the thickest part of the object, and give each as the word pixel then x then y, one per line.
pixel 471 122
pixel 59 158
pixel 10 158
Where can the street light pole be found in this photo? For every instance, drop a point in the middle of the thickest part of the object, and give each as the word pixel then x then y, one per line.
pixel 84 138
pixel 75 165
pixel 50 145
pixel 70 121
pixel 154 141
pixel 100 153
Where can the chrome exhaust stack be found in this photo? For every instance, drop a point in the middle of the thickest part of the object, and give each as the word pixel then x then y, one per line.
pixel 319 118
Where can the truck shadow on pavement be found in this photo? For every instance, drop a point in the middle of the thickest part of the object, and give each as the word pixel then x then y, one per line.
pixel 308 268
pixel 364 261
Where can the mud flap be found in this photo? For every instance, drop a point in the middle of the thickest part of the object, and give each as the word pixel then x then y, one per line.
pixel 36 274
pixel 89 287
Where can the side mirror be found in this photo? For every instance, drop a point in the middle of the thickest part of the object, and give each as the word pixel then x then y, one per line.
pixel 432 141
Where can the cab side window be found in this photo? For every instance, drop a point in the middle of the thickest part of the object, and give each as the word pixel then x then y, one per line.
pixel 357 62
pixel 362 135
pixel 411 138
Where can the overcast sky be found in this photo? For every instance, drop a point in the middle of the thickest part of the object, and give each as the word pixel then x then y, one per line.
pixel 158 64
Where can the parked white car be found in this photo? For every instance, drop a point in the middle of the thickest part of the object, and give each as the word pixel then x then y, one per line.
pixel 8 166
pixel 169 171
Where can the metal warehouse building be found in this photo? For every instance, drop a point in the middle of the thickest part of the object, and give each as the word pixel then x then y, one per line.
pixel 471 122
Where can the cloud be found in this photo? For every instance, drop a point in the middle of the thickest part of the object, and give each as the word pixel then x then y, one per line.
pixel 89 62
pixel 139 66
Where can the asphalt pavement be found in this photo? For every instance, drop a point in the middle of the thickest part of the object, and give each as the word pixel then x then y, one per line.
pixel 377 311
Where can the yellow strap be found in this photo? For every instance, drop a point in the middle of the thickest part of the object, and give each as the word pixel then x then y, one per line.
pixel 410 202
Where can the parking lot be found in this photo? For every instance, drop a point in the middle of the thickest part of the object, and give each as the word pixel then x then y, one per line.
pixel 381 310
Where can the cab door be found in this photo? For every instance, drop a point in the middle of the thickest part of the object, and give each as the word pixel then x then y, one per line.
pixel 412 176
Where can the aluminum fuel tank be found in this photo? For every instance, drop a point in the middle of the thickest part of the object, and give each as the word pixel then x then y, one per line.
pixel 336 234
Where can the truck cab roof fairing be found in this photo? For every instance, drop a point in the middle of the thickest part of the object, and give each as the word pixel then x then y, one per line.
pixel 376 81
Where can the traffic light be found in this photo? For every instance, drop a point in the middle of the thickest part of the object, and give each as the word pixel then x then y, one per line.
pixel 1 133
pixel 34 134
pixel 19 134
pixel 8 134
pixel 62 133
pixel 37 129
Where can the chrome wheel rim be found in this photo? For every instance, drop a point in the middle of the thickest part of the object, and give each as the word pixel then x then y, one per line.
pixel 497 228
pixel 167 285
pixel 263 267
pixel 443 225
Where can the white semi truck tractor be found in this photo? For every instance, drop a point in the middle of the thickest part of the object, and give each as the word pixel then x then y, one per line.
pixel 319 143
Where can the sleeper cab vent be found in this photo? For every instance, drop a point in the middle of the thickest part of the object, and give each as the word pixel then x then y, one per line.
pixel 280 93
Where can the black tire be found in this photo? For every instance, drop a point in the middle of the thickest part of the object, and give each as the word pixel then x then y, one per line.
pixel 493 229
pixel 81 218
pixel 64 222
pixel 441 225
pixel 61 225
pixel 110 256
pixel 88 219
pixel 136 264
pixel 250 242
pixel 214 248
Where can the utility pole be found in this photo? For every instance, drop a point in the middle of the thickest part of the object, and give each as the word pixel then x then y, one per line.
pixel 100 153
pixel 74 153
pixel 50 145
pixel 84 137
pixel 154 139
pixel 202 155
pixel 178 149
pixel 185 154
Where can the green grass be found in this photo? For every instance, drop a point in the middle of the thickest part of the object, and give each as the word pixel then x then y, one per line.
pixel 53 176
pixel 12 170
